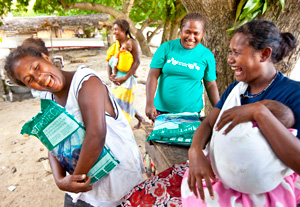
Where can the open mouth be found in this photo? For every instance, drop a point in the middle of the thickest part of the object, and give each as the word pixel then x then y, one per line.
pixel 237 70
pixel 190 43
pixel 49 82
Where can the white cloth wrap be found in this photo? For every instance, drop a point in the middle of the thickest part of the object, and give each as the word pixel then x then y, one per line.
pixel 242 159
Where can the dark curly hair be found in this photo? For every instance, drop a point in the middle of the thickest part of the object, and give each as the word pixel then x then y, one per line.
pixel 193 16
pixel 124 25
pixel 262 33
pixel 37 44
pixel 14 56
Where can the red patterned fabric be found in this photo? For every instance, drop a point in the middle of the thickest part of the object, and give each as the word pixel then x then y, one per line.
pixel 160 190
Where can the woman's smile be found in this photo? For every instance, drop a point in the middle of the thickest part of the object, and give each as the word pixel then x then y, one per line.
pixel 46 77
pixel 49 82
pixel 191 34
pixel 237 70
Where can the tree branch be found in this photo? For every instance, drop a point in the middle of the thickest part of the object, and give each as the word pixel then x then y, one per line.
pixel 97 7
pixel 127 6
pixel 63 3
pixel 150 34
pixel 149 22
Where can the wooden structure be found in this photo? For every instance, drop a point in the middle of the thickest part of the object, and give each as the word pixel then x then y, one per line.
pixel 56 31
pixel 164 155
pixel 31 25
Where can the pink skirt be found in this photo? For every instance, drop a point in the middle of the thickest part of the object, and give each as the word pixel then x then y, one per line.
pixel 287 194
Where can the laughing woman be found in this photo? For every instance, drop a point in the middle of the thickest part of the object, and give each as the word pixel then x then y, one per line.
pixel 181 65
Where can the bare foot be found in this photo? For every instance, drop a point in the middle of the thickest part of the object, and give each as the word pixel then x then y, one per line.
pixel 140 119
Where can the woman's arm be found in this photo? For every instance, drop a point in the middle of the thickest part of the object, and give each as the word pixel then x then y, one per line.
pixel 199 166
pixel 212 91
pixel 151 86
pixel 135 64
pixel 68 183
pixel 93 101
pixel 284 144
pixel 109 73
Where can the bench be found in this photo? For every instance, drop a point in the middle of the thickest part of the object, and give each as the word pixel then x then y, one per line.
pixel 163 156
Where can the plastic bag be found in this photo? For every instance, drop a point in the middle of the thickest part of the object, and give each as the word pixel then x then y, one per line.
pixel 63 135
pixel 177 128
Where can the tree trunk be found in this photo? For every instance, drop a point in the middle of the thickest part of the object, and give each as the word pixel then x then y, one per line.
pixel 166 32
pixel 286 21
pixel 174 30
pixel 220 17
pixel 143 43
pixel 167 25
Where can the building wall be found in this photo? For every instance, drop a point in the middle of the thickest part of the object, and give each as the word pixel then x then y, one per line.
pixel 56 33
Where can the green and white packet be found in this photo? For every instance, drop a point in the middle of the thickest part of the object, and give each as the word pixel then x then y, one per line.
pixel 175 128
pixel 63 135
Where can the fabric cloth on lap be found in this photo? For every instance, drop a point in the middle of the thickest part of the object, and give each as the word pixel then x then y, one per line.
pixel 160 190
pixel 286 194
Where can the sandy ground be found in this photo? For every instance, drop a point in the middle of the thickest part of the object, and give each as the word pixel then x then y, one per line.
pixel 25 177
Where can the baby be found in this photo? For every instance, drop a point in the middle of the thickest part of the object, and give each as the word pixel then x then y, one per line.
pixel 283 113
pixel 243 159
pixel 123 59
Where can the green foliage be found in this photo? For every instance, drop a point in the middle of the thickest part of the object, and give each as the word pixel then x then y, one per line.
pixel 7 6
pixel 248 10
pixel 155 10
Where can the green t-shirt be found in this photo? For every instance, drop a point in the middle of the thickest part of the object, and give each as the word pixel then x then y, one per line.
pixel 180 85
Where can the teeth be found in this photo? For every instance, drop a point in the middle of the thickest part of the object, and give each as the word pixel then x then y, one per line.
pixel 189 42
pixel 48 81
pixel 237 73
pixel 234 67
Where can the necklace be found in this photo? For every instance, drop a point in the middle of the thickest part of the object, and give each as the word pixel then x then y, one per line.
pixel 246 94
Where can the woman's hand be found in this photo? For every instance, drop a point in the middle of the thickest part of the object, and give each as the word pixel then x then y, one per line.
pixel 151 112
pixel 119 81
pixel 199 170
pixel 75 183
pixel 112 78
pixel 237 115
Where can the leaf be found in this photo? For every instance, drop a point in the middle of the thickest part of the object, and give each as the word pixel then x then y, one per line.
pixel 251 9
pixel 265 7
pixel 282 4
pixel 239 9
pixel 251 3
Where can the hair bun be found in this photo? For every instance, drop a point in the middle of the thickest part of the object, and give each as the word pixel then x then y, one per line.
pixel 289 39
pixel 287 44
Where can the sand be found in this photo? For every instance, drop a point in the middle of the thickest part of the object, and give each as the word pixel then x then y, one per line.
pixel 25 176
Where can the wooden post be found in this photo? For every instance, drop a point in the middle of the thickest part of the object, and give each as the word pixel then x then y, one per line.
pixel 51 41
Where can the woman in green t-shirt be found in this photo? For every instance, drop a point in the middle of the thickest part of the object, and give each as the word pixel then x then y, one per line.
pixel 177 70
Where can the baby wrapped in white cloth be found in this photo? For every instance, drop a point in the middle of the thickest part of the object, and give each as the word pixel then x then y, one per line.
pixel 242 159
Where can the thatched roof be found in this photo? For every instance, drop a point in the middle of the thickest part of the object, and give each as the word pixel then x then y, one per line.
pixel 29 23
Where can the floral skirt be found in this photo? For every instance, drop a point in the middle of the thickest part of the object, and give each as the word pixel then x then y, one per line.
pixel 160 190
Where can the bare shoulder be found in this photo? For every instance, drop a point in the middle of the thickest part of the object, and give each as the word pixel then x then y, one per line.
pixel 132 41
